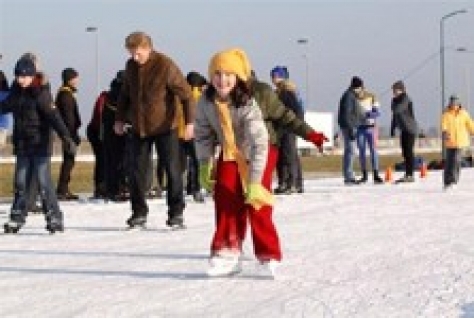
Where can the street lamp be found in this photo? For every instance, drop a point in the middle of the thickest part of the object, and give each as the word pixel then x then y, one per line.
pixel 467 74
pixel 441 53
pixel 97 62
pixel 304 41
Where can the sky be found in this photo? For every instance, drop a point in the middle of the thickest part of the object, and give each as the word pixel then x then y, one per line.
pixel 379 40
pixel 369 251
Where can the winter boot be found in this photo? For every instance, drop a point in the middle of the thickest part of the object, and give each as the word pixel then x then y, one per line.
pixel 377 178
pixel 54 222
pixel 198 197
pixel 17 220
pixel 363 179
pixel 12 227
pixel 136 221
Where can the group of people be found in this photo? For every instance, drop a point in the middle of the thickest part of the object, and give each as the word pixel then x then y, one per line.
pixel 358 110
pixel 229 132
pixel 232 136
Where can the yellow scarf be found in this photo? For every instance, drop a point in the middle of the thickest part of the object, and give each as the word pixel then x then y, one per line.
pixel 230 152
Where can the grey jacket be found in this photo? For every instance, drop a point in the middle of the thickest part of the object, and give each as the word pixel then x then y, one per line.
pixel 403 116
pixel 250 132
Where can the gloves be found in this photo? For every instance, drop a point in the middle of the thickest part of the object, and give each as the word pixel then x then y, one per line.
pixel 317 139
pixel 205 177
pixel 374 113
pixel 69 146
pixel 258 196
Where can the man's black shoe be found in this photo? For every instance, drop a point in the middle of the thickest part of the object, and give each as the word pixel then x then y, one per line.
pixel 351 182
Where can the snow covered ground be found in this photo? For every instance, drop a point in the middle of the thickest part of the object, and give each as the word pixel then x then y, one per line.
pixel 366 251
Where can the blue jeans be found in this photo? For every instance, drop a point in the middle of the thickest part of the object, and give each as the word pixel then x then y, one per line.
pixel 27 168
pixel 365 136
pixel 348 157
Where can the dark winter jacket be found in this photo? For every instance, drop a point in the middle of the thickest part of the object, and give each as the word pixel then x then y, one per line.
pixel 349 116
pixel 34 115
pixel 69 111
pixel 148 94
pixel 403 116
pixel 277 117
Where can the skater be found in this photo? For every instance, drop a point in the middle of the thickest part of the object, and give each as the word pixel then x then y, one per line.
pixel 198 84
pixel 34 115
pixel 403 118
pixel 367 135
pixel 68 109
pixel 290 177
pixel 229 116
pixel 277 117
pixel 152 81
pixel 456 126
pixel 115 173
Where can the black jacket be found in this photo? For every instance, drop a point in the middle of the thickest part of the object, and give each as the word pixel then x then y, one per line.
pixel 34 114
pixel 69 111
pixel 403 116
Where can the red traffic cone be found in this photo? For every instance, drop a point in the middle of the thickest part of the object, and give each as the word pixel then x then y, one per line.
pixel 423 170
pixel 388 174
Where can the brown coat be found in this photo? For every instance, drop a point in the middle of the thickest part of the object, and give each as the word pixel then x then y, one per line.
pixel 147 99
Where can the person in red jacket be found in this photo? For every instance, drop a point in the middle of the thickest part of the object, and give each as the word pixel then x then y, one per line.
pixel 94 132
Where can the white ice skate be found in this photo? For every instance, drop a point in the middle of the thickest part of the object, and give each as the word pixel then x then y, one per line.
pixel 226 265
pixel 269 269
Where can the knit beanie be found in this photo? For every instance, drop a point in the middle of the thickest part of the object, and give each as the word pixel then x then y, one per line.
pixel 280 72
pixel 231 61
pixel 398 86
pixel 454 99
pixel 195 79
pixel 25 67
pixel 68 74
pixel 356 82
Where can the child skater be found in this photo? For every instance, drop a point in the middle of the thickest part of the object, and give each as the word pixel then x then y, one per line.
pixel 227 115
pixel 34 114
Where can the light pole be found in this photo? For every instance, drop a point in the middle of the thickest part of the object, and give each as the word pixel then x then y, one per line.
pixel 441 55
pixel 97 57
pixel 304 42
pixel 467 74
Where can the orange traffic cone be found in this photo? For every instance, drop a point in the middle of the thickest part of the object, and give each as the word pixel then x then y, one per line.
pixel 423 170
pixel 388 174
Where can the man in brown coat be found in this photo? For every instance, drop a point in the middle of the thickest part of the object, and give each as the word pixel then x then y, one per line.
pixel 147 101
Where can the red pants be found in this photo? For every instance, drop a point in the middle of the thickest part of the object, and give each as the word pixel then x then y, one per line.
pixel 232 213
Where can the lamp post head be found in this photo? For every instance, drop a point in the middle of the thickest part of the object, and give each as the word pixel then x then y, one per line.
pixel 449 15
pixel 91 29
pixel 302 41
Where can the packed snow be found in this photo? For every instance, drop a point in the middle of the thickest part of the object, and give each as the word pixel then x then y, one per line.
pixel 387 250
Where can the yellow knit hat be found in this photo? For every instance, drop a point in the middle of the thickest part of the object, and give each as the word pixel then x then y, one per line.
pixel 232 61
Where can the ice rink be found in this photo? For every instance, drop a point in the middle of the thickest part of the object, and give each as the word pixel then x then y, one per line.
pixel 402 250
